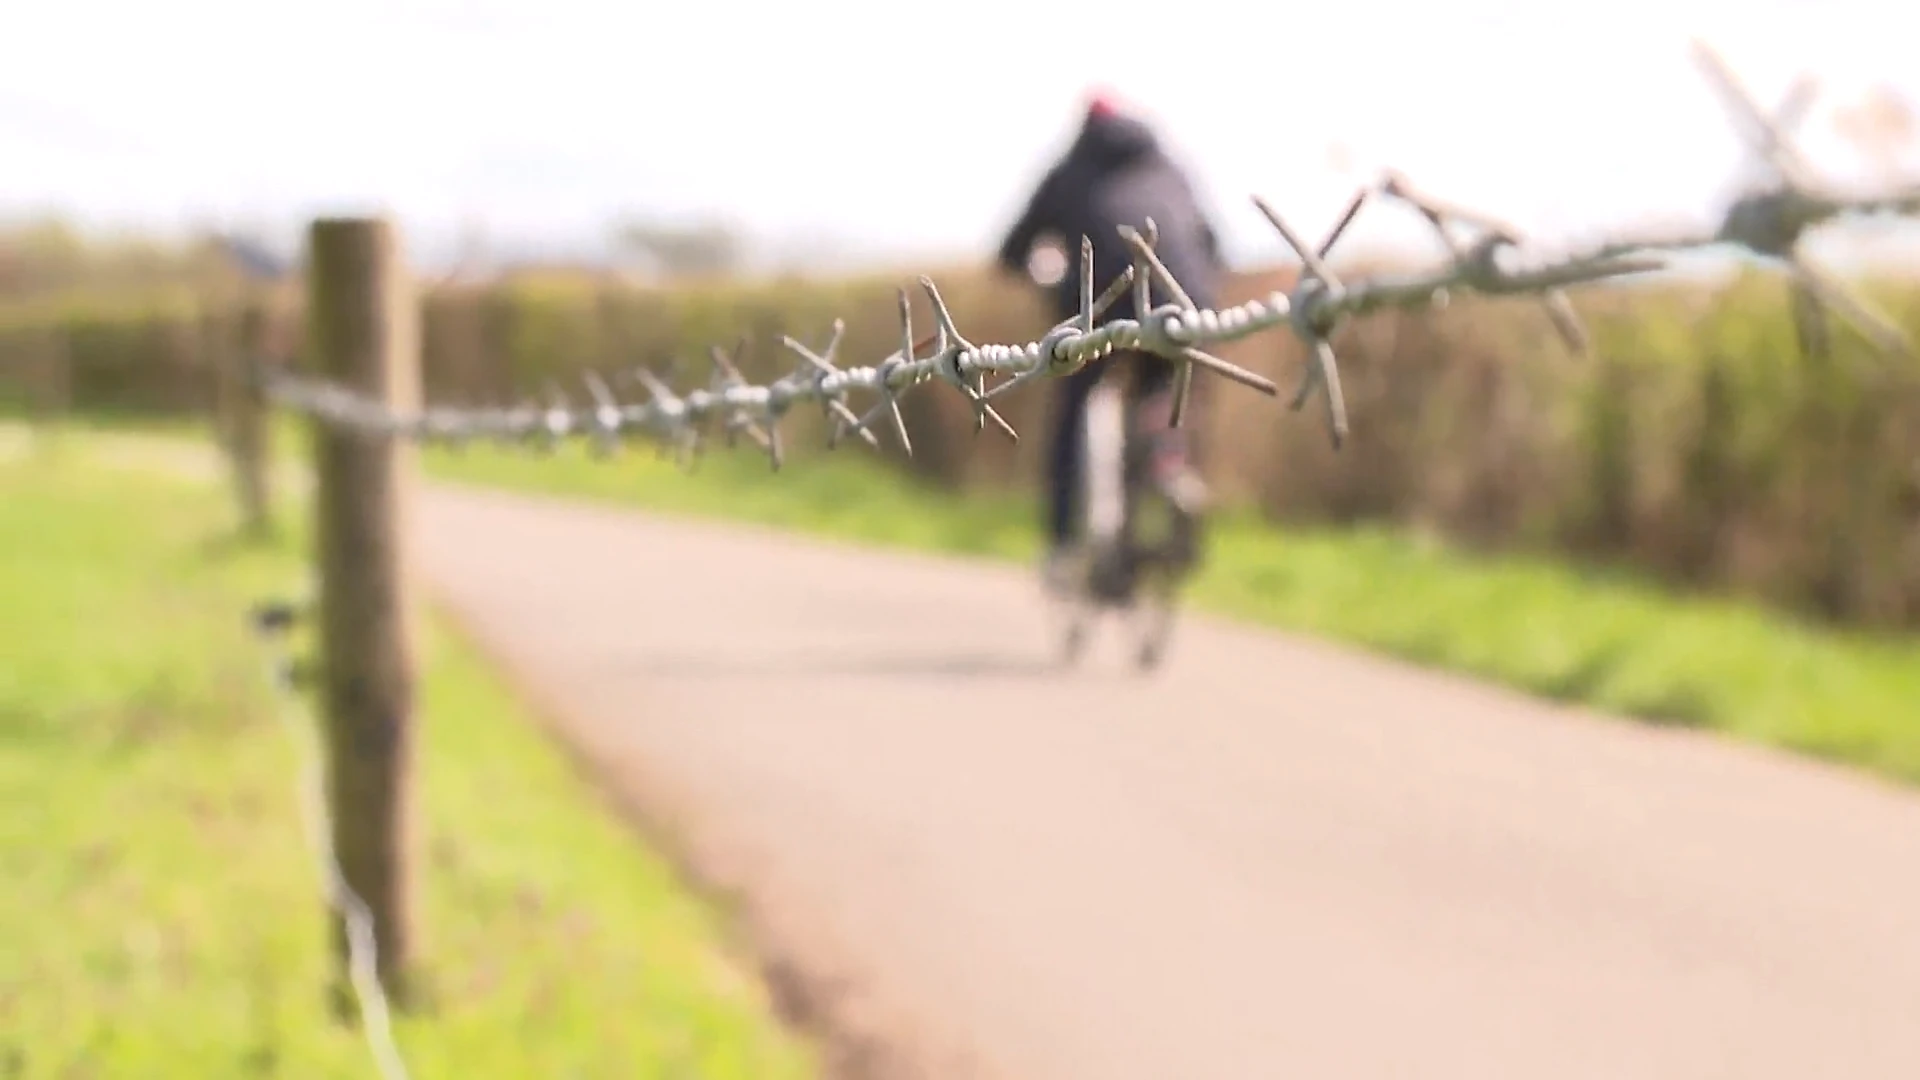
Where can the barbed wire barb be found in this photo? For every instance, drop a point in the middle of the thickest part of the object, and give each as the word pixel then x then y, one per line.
pixel 1440 215
pixel 726 375
pixel 1148 268
pixel 950 348
pixel 1315 308
pixel 1766 134
pixel 832 401
pixel 606 414
pixel 1054 361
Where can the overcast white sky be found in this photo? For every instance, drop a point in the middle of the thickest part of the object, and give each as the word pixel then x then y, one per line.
pixel 547 118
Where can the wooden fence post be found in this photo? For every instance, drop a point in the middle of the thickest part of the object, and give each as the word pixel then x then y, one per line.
pixel 249 436
pixel 363 324
pixel 216 354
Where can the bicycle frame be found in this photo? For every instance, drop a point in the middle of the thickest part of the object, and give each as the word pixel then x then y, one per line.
pixel 1105 440
pixel 1111 490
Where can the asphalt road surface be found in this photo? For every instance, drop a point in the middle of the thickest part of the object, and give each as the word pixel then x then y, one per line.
pixel 1274 858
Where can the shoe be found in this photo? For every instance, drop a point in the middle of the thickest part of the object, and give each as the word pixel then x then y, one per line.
pixel 1187 491
pixel 1181 485
pixel 1173 478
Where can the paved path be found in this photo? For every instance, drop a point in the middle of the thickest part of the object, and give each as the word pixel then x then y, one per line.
pixel 1275 859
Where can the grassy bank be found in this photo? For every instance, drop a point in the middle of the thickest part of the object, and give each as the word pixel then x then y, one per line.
pixel 161 913
pixel 1611 641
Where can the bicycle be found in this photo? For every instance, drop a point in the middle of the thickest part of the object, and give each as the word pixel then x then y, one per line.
pixel 1135 545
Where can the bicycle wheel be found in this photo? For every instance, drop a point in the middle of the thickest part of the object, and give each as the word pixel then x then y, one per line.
pixel 1104 474
pixel 1101 577
pixel 1075 633
pixel 1155 622
pixel 1161 544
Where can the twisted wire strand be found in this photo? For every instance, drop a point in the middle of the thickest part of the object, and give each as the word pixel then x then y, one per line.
pixel 272 624
pixel 1178 331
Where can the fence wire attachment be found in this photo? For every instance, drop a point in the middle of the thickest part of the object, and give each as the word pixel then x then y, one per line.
pixel 273 624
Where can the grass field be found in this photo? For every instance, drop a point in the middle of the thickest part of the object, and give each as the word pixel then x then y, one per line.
pixel 1541 626
pixel 161 913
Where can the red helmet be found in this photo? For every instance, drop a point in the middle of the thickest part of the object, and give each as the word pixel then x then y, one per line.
pixel 1101 104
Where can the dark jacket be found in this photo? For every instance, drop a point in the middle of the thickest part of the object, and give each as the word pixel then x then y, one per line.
pixel 1115 174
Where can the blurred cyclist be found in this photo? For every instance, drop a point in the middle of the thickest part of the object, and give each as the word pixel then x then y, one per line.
pixel 1115 174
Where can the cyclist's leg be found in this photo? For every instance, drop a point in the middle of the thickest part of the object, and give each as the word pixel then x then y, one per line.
pixel 1063 462
pixel 1173 464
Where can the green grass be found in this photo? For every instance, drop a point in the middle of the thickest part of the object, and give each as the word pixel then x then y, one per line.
pixel 160 912
pixel 1545 627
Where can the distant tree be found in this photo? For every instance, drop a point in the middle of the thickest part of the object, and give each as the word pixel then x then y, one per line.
pixel 47 253
pixel 40 253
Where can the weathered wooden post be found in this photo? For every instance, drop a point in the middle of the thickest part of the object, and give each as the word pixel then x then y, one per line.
pixel 249 435
pixel 217 357
pixel 363 325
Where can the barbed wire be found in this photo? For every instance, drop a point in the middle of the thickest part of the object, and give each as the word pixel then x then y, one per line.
pixel 1768 222
pixel 1179 331
pixel 273 623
